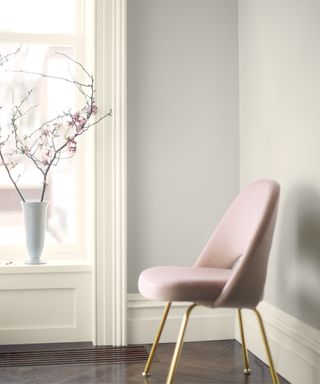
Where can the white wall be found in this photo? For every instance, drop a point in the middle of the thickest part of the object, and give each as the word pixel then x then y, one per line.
pixel 280 138
pixel 182 127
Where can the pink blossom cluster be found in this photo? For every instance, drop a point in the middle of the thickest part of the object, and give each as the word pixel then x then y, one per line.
pixel 78 122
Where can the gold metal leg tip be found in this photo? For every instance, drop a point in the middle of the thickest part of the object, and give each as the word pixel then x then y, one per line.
pixel 145 374
pixel 247 371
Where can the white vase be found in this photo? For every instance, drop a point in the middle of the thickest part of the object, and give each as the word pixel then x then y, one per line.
pixel 35 218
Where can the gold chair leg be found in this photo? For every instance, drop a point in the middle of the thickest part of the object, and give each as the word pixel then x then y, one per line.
pixel 273 372
pixel 146 371
pixel 179 344
pixel 245 355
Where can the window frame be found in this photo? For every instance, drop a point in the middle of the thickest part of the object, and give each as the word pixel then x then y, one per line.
pixel 83 42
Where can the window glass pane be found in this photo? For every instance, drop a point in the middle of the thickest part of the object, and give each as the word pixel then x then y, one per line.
pixel 37 16
pixel 49 98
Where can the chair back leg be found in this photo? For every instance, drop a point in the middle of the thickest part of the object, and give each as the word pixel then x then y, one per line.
pixel 179 344
pixel 275 379
pixel 245 355
pixel 146 371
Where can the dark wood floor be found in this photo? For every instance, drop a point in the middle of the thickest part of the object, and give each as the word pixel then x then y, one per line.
pixel 201 362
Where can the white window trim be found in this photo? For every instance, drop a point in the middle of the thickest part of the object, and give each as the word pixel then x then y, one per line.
pixel 111 176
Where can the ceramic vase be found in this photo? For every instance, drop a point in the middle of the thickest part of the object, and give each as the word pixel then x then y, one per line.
pixel 35 218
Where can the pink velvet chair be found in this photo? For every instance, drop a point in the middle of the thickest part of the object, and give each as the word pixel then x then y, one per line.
pixel 230 271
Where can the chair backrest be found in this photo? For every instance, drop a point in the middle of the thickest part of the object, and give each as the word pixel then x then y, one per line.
pixel 242 242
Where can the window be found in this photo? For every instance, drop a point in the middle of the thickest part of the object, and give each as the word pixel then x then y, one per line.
pixel 41 28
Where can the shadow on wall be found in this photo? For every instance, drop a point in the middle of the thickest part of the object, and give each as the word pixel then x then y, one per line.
pixel 298 277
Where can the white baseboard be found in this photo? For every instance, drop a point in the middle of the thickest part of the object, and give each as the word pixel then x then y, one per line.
pixel 295 345
pixel 205 323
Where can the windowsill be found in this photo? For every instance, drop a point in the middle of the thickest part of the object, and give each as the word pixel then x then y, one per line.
pixel 52 266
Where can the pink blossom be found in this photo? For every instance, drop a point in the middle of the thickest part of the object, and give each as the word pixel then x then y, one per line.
pixel 45 160
pixel 94 109
pixel 80 123
pixel 45 131
pixel 91 110
pixel 72 145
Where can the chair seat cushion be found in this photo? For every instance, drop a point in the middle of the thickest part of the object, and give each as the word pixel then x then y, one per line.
pixel 183 283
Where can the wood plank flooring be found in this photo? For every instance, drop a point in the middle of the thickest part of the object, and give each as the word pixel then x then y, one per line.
pixel 206 362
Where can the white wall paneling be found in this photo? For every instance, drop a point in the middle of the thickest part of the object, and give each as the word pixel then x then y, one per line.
pixel 205 324
pixel 295 345
pixel 45 304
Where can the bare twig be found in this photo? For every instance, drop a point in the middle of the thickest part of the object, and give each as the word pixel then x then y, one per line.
pixel 45 76
pixel 10 176
pixel 5 58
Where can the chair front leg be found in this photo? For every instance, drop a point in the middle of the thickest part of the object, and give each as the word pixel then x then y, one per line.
pixel 245 355
pixel 273 372
pixel 146 371
pixel 179 344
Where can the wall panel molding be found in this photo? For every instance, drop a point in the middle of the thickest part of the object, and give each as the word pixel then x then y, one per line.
pixel 45 307
pixel 111 175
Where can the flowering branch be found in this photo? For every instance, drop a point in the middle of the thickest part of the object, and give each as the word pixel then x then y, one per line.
pixel 55 139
